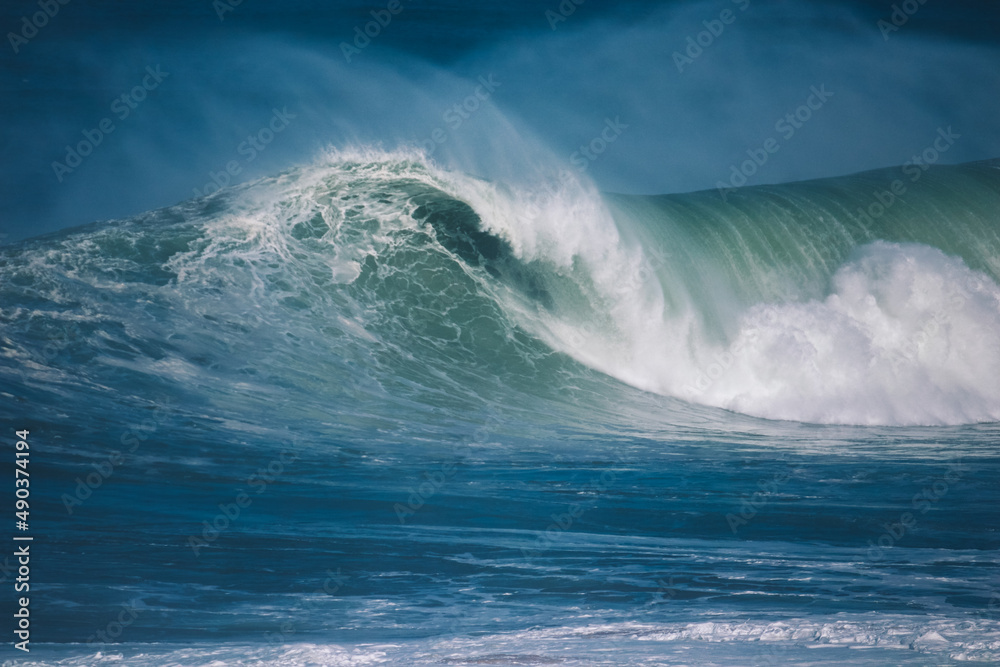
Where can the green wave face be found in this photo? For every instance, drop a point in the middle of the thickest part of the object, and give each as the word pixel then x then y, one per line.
pixel 864 299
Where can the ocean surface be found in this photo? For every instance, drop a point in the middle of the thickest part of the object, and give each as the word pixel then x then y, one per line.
pixel 518 334
pixel 370 411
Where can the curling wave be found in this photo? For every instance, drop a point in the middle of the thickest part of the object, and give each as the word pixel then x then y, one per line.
pixel 800 302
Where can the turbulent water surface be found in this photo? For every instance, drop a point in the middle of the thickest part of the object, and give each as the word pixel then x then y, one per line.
pixel 370 411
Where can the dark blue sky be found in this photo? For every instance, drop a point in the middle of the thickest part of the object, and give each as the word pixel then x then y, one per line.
pixel 225 78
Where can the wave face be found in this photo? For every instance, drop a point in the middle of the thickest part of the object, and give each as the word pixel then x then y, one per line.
pixel 832 301
pixel 810 302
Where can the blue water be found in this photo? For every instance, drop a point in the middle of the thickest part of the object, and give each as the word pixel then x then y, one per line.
pixel 406 390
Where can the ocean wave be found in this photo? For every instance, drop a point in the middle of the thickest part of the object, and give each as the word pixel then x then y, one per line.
pixel 784 302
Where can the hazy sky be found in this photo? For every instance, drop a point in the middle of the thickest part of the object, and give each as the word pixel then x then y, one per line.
pixel 164 96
